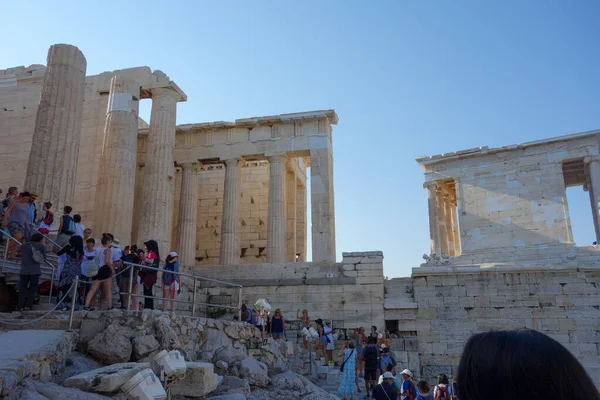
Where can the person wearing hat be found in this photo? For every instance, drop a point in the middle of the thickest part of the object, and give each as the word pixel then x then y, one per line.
pixel 408 391
pixel 386 390
pixel 116 254
pixel 16 221
pixel 170 280
pixel 31 213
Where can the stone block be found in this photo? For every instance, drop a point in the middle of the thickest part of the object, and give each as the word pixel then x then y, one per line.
pixel 200 380
pixel 411 343
pixel 107 379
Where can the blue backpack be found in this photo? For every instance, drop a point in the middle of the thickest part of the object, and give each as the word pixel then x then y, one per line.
pixel 386 359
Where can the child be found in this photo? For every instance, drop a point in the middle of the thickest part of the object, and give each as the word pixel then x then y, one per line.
pixel 424 391
pixel 47 219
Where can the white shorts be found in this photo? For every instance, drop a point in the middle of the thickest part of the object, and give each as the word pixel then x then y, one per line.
pixel 173 286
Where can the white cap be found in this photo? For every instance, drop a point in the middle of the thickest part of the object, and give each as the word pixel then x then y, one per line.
pixel 388 375
pixel 173 254
pixel 407 372
pixel 383 346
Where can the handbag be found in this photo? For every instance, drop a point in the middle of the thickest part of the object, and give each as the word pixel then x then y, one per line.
pixel 37 255
pixel 344 363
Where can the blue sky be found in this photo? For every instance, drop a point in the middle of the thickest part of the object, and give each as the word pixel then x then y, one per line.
pixel 407 78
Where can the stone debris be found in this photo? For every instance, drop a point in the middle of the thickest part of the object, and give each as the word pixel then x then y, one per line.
pixel 143 346
pixel 36 390
pixel 255 371
pixel 112 346
pixel 200 380
pixel 107 379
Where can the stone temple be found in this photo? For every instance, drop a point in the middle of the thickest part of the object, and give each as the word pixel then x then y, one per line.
pixel 231 198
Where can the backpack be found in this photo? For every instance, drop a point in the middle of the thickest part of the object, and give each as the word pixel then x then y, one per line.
pixel 411 390
pixel 68 225
pixel 370 354
pixel 386 359
pixel 442 393
pixel 49 218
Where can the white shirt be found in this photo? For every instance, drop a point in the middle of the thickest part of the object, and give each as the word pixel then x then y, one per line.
pixel 79 228
pixel 115 254
pixel 100 253
pixel 88 256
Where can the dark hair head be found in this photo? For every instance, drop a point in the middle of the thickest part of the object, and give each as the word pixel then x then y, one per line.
pixel 141 252
pixel 25 194
pixel 319 322
pixel 521 364
pixel 36 237
pixel 77 218
pixel 389 367
pixel 13 190
pixel 423 386
pixel 67 209
pixel 48 205
pixel 106 239
pixel 169 259
pixel 351 344
pixel 244 307
pixel 442 379
pixel 373 327
pixel 371 340
pixel 76 243
pixel 152 246
pixel 90 240
pixel 110 235
pixel 133 248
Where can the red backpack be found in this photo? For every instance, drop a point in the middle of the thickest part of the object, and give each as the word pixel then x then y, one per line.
pixel 442 393
pixel 49 218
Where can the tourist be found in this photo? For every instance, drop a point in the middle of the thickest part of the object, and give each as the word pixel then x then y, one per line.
pixel 386 390
pixel 89 254
pixel 361 342
pixel 71 269
pixel 66 228
pixel 116 254
pixel 348 355
pixel 102 280
pixel 170 281
pixel 16 222
pixel 397 383
pixel 408 391
pixel 321 344
pixel 131 257
pixel 33 253
pixel 10 196
pixel 31 214
pixel 277 325
pixel 523 364
pixel 329 347
pixel 370 355
pixel 443 390
pixel 47 219
pixel 305 324
pixel 249 315
pixel 149 276
pixel 87 233
pixel 79 228
pixel 385 359
pixel 423 394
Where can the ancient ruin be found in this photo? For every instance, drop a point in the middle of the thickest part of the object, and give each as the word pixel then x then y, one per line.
pixel 231 198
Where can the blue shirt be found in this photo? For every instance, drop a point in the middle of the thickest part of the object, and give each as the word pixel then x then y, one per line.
pixel 30 213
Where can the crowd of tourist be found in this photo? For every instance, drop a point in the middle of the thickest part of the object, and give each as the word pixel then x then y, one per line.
pixel 100 265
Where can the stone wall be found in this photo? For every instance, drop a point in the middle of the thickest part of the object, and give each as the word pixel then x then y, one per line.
pixel 455 302
pixel 349 293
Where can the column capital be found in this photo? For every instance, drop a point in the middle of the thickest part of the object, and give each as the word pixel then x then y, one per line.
pixel 590 159
pixel 234 162
pixel 190 165
pixel 165 92
pixel 431 185
pixel 282 158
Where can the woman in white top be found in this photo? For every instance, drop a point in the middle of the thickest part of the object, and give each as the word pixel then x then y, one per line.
pixel 79 228
pixel 102 279
pixel 328 332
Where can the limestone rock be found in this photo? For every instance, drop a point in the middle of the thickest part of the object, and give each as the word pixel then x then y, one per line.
pixel 167 338
pixel 222 365
pixel 8 380
pixel 255 372
pixel 112 346
pixel 233 384
pixel 232 396
pixel 199 380
pixel 106 380
pixel 143 346
pixel 229 355
pixel 289 381
pixel 76 364
pixel 214 340
pixel 53 391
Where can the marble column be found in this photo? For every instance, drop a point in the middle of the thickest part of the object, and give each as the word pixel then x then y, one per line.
pixel 276 224
pixel 116 177
pixel 322 205
pixel 449 211
pixel 592 168
pixel 441 220
pixel 52 165
pixel 158 190
pixel 231 217
pixel 290 211
pixel 301 236
pixel 432 202
pixel 188 211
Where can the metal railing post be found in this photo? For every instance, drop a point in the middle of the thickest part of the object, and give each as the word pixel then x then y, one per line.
pixel 130 287
pixel 5 254
pixel 240 304
pixel 51 283
pixel 73 299
pixel 194 299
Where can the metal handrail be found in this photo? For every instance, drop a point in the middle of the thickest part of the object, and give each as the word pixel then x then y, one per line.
pixel 193 302
pixel 48 238
pixel 10 237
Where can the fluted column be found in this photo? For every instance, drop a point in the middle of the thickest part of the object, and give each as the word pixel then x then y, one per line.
pixel 188 211
pixel 52 165
pixel 301 236
pixel 592 168
pixel 432 202
pixel 290 211
pixel 276 246
pixel 322 205
pixel 157 196
pixel 116 178
pixel 231 219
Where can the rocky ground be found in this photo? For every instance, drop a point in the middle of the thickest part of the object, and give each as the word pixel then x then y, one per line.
pixel 225 360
